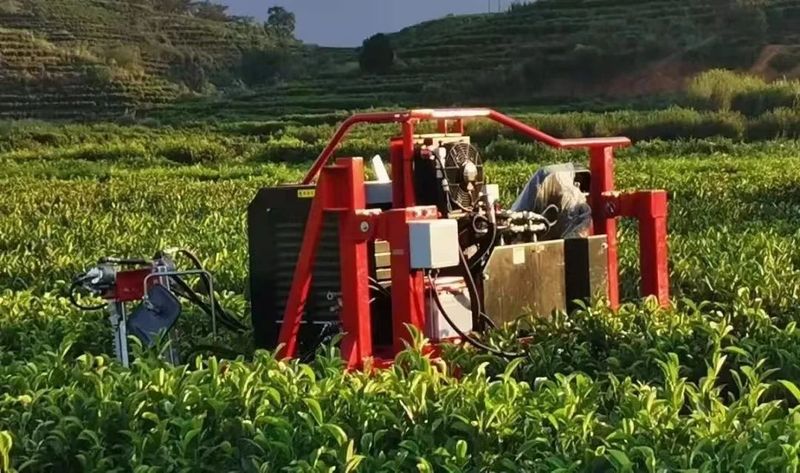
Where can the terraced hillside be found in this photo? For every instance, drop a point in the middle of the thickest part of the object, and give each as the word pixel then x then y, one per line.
pixel 99 58
pixel 571 46
pixel 547 52
pixel 84 58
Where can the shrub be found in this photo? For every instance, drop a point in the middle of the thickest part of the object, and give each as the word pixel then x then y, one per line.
pixel 754 102
pixel 678 123
pixel 193 150
pixel 779 123
pixel 377 54
pixel 285 149
pixel 99 74
pixel 115 151
pixel 261 66
pixel 716 89
pixel 124 56
pixel 9 7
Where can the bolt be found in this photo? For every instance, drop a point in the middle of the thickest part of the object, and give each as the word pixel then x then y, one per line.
pixel 364 227
pixel 611 209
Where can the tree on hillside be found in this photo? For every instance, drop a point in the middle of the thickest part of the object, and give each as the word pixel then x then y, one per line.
pixel 280 22
pixel 264 66
pixel 742 28
pixel 209 11
pixel 172 6
pixel 377 54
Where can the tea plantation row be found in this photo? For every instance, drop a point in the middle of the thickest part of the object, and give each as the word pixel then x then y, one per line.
pixel 709 385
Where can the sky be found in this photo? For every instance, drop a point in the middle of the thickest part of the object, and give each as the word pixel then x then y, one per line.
pixel 349 22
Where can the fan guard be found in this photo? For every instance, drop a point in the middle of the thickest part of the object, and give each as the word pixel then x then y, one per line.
pixel 463 169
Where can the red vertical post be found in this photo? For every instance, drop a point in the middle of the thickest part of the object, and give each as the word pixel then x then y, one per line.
pixel 409 199
pixel 441 125
pixel 301 281
pixel 601 165
pixel 396 155
pixel 408 289
pixel 460 126
pixel 353 257
pixel 652 215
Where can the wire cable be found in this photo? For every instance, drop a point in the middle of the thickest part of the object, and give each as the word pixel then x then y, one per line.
pixel 76 284
pixel 471 340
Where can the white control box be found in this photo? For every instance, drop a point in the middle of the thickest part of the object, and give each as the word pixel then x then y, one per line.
pixel 454 296
pixel 434 244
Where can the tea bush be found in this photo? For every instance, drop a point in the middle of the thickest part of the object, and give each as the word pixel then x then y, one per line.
pixel 710 384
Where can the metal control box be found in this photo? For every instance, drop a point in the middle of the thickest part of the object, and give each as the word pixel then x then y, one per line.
pixel 434 244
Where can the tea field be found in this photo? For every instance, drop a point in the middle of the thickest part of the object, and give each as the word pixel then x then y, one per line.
pixel 711 384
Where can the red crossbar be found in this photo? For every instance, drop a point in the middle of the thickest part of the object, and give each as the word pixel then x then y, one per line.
pixel 459 115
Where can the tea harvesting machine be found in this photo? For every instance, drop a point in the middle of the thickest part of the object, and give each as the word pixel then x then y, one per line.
pixel 426 243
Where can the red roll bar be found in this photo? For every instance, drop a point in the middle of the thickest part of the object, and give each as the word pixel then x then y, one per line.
pixel 460 114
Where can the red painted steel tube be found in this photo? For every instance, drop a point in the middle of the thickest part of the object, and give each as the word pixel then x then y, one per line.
pixel 301 281
pixel 409 198
pixel 601 166
pixel 379 117
pixel 649 208
pixel 652 209
pixel 458 115
pixel 354 261
pixel 398 178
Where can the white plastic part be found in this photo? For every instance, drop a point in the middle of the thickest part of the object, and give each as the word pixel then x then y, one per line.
pixel 380 169
pixel 454 297
pixel 433 243
pixel 492 193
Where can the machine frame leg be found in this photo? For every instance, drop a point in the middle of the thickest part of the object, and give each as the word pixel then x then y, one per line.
pixel 649 208
pixel 601 165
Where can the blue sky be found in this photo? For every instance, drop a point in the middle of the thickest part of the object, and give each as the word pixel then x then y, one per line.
pixel 348 22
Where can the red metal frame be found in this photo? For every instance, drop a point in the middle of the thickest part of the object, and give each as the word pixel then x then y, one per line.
pixel 340 188
pixel 129 285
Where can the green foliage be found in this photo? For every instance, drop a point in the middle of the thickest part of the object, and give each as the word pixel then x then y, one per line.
pixel 6 442
pixel 263 66
pixel 172 6
pixel 727 90
pixel 377 54
pixel 10 6
pixel 769 97
pixel 210 11
pixel 717 88
pixel 280 23
pixel 126 57
pixel 781 122
pixel 705 386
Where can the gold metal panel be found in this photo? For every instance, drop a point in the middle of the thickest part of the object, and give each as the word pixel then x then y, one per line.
pixel 525 280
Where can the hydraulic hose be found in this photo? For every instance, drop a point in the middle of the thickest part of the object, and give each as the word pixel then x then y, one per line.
pixel 231 322
pixel 475 306
pixel 471 340
pixel 225 319
pixel 75 285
